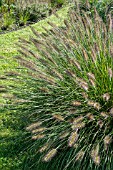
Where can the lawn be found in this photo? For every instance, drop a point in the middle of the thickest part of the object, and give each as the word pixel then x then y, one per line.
pixel 8 47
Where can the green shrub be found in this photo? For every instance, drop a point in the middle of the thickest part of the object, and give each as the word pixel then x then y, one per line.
pixel 23 18
pixel 35 12
pixel 0 3
pixel 57 3
pixel 68 95
pixel 7 21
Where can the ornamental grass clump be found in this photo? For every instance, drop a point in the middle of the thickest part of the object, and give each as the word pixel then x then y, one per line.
pixel 68 96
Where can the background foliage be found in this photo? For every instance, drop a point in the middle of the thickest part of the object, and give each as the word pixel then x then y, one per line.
pixel 14 14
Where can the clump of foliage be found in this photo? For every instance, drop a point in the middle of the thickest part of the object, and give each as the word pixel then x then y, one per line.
pixel 68 94
pixel 33 13
pixel 103 7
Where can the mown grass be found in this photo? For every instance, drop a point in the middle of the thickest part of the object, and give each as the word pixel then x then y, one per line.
pixel 10 129
pixel 8 41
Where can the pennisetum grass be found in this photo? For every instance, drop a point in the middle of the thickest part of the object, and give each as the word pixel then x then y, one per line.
pixel 69 89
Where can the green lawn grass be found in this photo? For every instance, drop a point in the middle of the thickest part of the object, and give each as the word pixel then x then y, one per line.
pixel 8 40
pixel 10 159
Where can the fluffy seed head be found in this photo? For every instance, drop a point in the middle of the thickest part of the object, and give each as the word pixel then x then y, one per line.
pixel 73 138
pixel 95 155
pixel 41 129
pixel 81 81
pixel 50 155
pixel 85 95
pixel 90 116
pixel 75 145
pixel 95 150
pixel 70 73
pixel 100 123
pixel 77 65
pixel 92 82
pixel 76 103
pixel 111 112
pixel 44 148
pixel 96 160
pixel 78 119
pixel 104 114
pixel 78 125
pixel 106 96
pixel 90 75
pixel 63 135
pixel 84 86
pixel 97 106
pixel 33 126
pixel 40 136
pixel 110 72
pixel 85 55
pixel 107 140
pixel 94 104
pixel 58 117
pixel 93 56
pixel 80 155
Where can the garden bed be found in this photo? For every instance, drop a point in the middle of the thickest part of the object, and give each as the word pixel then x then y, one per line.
pixel 18 14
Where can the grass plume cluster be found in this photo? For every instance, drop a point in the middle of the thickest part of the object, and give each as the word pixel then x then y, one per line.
pixel 68 95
